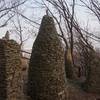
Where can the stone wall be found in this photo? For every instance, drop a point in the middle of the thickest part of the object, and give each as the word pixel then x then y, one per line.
pixel 10 70
pixel 93 83
pixel 46 78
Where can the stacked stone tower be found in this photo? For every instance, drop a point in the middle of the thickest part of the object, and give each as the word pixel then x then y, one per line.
pixel 46 78
pixel 10 69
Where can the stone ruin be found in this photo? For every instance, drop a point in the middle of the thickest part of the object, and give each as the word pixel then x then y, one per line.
pixel 46 74
pixel 92 84
pixel 46 78
pixel 10 70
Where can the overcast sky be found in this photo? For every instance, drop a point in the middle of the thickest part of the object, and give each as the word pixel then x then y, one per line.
pixel 32 11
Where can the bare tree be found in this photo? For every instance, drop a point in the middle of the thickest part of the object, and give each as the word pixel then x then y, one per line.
pixel 6 6
pixel 18 30
pixel 68 26
pixel 94 6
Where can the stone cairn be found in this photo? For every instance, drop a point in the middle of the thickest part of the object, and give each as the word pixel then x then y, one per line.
pixel 10 69
pixel 46 75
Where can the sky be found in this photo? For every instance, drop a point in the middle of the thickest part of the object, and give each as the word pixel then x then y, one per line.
pixel 33 12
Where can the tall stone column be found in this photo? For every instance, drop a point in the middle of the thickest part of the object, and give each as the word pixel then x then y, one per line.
pixel 46 75
pixel 10 70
